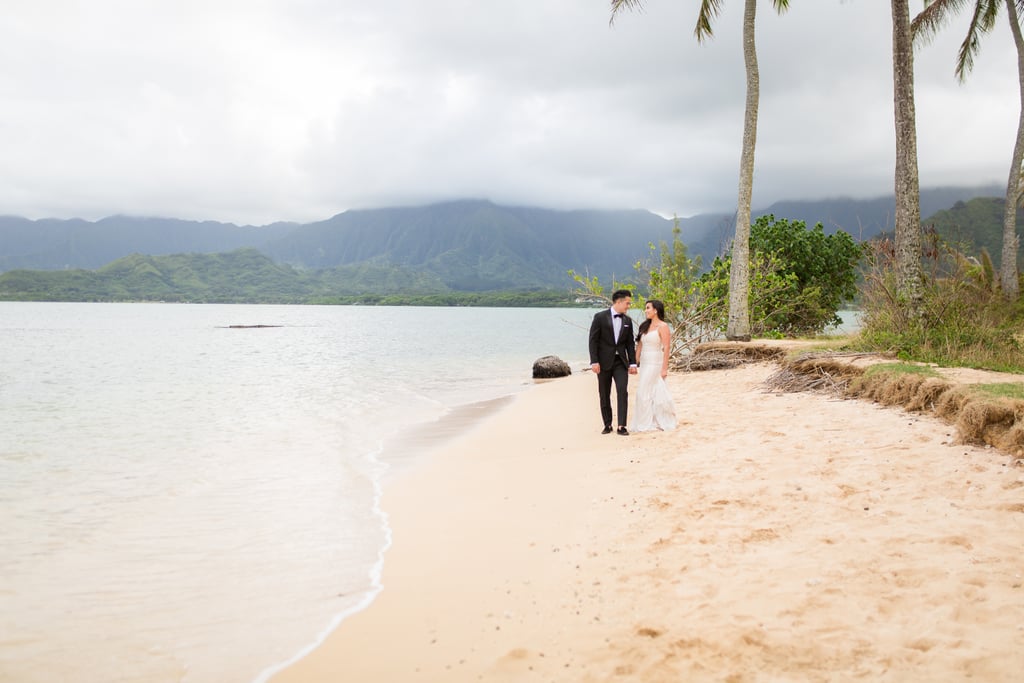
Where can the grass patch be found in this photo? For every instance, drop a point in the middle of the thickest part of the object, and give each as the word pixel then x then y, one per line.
pixel 823 344
pixel 1012 390
pixel 901 369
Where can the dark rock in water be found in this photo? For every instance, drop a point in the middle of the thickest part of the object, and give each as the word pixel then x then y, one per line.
pixel 550 366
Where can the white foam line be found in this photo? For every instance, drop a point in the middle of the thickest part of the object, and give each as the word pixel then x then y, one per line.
pixel 375 574
pixel 376 571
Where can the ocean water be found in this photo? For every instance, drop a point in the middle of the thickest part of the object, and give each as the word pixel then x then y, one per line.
pixel 181 500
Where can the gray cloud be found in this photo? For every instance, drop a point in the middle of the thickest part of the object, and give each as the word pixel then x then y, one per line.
pixel 253 112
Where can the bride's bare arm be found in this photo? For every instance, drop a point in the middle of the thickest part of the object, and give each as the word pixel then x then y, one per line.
pixel 666 347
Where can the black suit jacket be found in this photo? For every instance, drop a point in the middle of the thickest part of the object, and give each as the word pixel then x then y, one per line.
pixel 603 348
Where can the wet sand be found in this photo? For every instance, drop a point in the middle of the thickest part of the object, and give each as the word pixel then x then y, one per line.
pixel 771 537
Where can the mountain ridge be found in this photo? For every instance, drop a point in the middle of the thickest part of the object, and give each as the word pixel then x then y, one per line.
pixel 469 245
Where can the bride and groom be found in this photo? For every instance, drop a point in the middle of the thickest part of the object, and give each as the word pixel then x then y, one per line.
pixel 613 358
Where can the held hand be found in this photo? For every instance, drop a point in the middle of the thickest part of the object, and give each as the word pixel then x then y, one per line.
pixel 632 369
pixel 595 368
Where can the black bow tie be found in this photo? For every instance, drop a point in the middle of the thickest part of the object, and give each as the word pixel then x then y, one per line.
pixel 618 315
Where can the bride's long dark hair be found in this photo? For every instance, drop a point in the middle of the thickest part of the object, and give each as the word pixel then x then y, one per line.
pixel 659 308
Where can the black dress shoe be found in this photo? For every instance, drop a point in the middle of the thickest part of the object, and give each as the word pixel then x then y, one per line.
pixel 607 429
pixel 623 431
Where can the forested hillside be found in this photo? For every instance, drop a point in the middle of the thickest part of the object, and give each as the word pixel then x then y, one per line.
pixel 471 247
pixel 975 225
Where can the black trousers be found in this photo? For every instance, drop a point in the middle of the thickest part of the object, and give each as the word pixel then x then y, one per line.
pixel 618 373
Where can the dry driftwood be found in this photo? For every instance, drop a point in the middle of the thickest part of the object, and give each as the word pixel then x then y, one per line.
pixel 720 355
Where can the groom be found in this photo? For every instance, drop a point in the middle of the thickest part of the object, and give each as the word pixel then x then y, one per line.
pixel 613 357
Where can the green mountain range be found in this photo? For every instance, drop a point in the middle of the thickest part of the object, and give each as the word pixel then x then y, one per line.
pixel 454 252
pixel 249 276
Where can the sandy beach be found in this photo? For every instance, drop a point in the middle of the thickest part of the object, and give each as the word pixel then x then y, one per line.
pixel 771 537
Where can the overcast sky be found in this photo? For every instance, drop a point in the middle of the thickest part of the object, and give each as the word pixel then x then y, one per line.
pixel 253 111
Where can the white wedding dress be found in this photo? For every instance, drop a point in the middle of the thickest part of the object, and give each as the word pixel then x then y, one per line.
pixel 654 408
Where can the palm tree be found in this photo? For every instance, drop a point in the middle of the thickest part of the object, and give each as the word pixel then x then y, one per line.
pixel 738 327
pixel 908 191
pixel 925 26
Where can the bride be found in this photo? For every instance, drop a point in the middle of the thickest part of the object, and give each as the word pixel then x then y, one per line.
pixel 654 407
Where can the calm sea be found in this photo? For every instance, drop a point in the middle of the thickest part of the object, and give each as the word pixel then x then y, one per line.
pixel 181 500
pixel 185 501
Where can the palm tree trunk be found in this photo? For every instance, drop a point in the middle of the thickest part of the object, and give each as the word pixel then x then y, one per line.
pixel 908 192
pixel 1008 277
pixel 738 327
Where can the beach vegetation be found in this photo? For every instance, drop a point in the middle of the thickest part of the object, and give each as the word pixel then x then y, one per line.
pixel 673 277
pixel 799 279
pixel 901 368
pixel 589 290
pixel 900 386
pixel 963 319
pixel 1014 390
pixel 983 19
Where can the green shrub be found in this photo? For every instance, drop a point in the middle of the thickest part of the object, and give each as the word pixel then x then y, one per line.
pixel 799 278
pixel 965 321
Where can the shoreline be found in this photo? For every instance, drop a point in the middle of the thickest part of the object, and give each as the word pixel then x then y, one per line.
pixel 858 541
pixel 411 447
pixel 398 456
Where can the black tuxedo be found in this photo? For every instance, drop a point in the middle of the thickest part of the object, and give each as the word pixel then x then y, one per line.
pixel 615 357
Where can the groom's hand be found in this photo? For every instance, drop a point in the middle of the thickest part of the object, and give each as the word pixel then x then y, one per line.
pixel 595 368
pixel 632 369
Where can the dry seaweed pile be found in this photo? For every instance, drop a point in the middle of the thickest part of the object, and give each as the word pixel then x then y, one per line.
pixel 722 355
pixel 828 373
pixel 979 417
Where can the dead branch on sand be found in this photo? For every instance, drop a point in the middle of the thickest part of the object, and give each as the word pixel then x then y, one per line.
pixel 722 355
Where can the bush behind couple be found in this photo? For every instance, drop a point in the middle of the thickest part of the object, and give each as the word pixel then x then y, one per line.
pixel 613 358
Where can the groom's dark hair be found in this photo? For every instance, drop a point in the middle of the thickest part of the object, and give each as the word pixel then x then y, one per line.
pixel 621 294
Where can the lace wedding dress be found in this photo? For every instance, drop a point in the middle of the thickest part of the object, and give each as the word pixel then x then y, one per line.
pixel 654 408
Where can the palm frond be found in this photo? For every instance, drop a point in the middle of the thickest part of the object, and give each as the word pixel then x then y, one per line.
pixel 982 21
pixel 933 17
pixel 989 277
pixel 709 10
pixel 937 13
pixel 620 5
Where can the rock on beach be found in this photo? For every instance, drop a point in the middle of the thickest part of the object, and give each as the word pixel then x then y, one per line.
pixel 548 367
